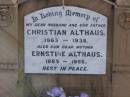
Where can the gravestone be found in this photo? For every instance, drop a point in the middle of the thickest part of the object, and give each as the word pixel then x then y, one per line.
pixel 66 40
pixel 65 45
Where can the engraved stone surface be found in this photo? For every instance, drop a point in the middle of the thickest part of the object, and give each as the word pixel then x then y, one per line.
pixel 65 41
pixel 6 16
pixel 124 20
